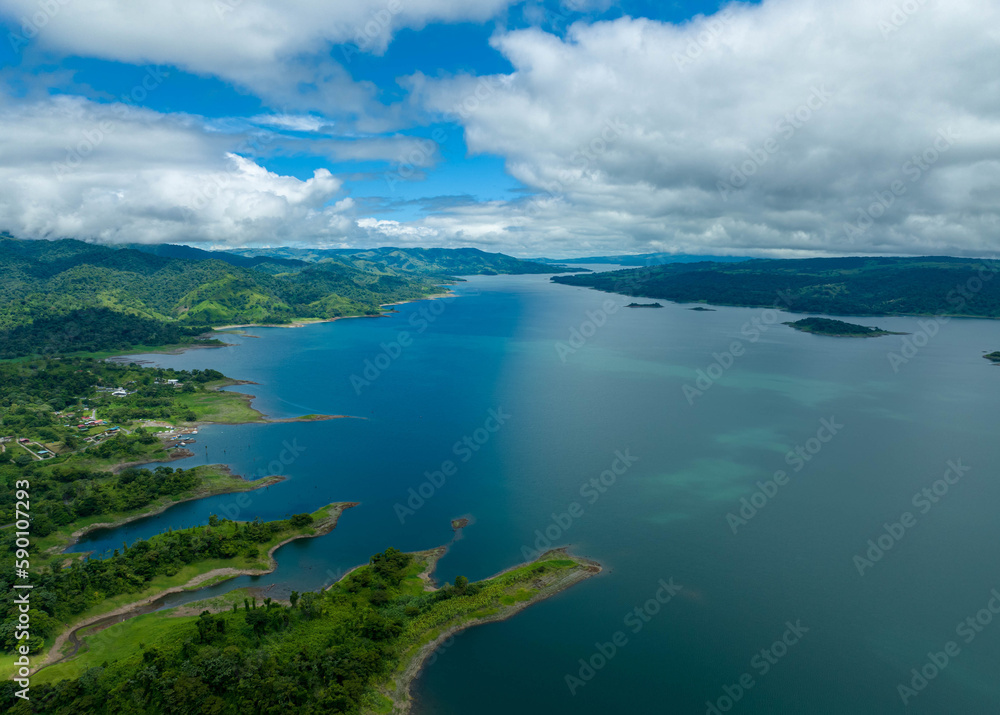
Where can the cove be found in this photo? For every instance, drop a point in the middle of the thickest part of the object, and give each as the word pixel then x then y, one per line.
pixel 619 389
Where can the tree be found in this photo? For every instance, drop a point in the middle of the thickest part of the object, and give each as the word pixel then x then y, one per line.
pixel 294 598
pixel 461 583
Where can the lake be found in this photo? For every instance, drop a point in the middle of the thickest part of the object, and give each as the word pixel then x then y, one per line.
pixel 656 424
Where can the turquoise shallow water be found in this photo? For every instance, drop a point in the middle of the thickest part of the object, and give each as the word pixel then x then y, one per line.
pixel 566 415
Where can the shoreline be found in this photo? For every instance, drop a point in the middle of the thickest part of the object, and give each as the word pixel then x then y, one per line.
pixel 306 322
pixel 248 399
pixel 256 484
pixel 172 456
pixel 323 527
pixel 399 684
pixel 178 349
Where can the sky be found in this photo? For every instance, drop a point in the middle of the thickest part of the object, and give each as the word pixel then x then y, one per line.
pixel 560 128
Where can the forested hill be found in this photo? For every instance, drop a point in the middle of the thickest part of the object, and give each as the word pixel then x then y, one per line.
pixel 425 261
pixel 835 286
pixel 48 280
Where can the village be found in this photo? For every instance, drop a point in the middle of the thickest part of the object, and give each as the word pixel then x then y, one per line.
pixel 90 430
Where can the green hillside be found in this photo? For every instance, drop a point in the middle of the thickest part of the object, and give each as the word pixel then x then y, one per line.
pixel 45 283
pixel 839 286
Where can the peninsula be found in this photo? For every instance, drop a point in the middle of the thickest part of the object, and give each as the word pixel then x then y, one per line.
pixel 355 647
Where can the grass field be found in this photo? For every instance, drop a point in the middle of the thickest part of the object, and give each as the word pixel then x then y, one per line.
pixel 220 406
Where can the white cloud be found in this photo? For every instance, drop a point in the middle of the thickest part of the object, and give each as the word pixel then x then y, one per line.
pixel 765 130
pixel 281 51
pixel 293 122
pixel 74 168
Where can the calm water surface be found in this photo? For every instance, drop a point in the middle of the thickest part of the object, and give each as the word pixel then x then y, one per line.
pixel 566 414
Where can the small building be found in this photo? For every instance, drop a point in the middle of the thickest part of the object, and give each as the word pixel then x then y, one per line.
pixel 120 392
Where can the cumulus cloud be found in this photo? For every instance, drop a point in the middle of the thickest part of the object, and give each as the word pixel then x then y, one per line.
pixel 792 127
pixel 115 173
pixel 284 52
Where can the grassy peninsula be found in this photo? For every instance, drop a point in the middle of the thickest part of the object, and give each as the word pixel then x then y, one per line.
pixel 353 648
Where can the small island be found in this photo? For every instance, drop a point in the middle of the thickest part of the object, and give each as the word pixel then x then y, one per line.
pixel 643 305
pixel 993 356
pixel 837 328
pixel 702 309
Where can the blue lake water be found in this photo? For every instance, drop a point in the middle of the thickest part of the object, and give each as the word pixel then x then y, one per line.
pixel 567 413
